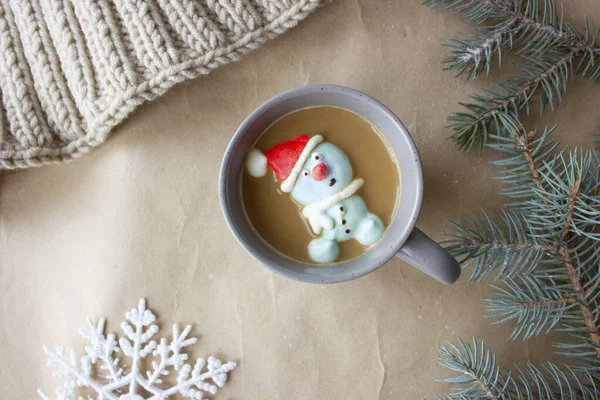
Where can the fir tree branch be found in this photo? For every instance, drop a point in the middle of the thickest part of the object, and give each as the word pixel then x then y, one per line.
pixel 549 45
pixel 550 209
pixel 492 247
pixel 479 381
pixel 503 250
pixel 546 250
pixel 473 53
pixel 482 378
pixel 543 303
pixel 570 210
pixel 500 108
pixel 522 142
pixel 526 154
pixel 587 311
pixel 531 23
pixel 564 251
pixel 547 26
pixel 507 246
pixel 535 306
pixel 569 36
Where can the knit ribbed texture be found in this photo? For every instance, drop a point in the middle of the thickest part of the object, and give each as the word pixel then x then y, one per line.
pixel 71 70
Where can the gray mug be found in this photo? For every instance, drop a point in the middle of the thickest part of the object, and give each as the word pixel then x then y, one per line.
pixel 401 238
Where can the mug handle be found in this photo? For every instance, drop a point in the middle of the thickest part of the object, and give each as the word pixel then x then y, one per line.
pixel 423 253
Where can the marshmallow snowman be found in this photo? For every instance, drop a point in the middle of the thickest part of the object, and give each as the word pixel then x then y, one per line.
pixel 318 175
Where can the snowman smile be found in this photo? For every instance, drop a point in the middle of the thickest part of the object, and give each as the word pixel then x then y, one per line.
pixel 332 182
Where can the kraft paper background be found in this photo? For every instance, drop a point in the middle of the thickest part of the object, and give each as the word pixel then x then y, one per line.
pixel 140 217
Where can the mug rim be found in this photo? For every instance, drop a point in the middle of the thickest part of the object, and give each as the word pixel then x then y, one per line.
pixel 413 211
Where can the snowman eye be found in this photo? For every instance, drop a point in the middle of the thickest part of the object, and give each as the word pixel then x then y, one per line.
pixel 316 156
pixel 305 173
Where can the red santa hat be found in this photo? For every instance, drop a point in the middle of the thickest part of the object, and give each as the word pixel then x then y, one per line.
pixel 286 159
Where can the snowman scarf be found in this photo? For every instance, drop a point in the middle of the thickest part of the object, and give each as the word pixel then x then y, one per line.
pixel 315 213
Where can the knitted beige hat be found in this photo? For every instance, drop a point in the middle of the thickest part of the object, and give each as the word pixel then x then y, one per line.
pixel 70 70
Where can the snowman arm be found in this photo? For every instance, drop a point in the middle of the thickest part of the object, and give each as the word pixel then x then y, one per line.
pixel 315 213
pixel 319 221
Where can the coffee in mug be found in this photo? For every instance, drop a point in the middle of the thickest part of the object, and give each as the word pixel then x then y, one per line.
pixel 321 185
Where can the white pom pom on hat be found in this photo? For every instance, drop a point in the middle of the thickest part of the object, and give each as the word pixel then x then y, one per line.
pixel 256 163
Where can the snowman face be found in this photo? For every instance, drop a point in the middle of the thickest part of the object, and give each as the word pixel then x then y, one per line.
pixel 325 173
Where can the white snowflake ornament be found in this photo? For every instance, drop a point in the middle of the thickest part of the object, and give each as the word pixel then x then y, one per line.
pixel 111 382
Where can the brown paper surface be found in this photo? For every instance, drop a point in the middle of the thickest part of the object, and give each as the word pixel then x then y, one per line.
pixel 140 217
